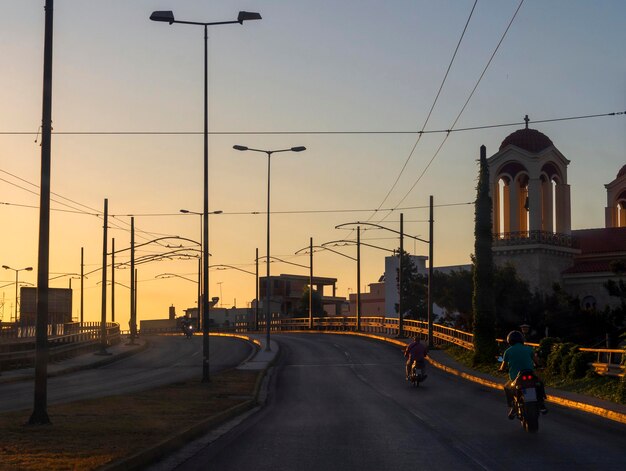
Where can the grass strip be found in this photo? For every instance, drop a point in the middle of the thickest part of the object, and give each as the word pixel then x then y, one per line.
pixel 593 384
pixel 88 434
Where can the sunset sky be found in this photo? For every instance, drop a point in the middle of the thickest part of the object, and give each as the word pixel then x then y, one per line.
pixel 322 69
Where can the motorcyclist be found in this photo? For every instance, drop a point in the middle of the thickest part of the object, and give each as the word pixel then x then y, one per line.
pixel 519 357
pixel 416 352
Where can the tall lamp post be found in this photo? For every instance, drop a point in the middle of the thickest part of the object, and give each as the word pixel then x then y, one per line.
pixel 186 211
pixel 17 271
pixel 268 285
pixel 168 17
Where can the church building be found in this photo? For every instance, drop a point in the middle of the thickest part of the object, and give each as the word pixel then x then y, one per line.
pixel 532 221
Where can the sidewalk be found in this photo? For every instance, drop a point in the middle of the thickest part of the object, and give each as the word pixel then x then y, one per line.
pixel 77 363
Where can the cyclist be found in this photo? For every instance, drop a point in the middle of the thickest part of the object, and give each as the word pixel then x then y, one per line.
pixel 416 352
pixel 519 357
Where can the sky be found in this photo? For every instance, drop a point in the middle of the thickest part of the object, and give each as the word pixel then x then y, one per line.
pixel 308 74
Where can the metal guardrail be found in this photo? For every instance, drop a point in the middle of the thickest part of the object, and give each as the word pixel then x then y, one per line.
pixel 18 351
pixel 608 361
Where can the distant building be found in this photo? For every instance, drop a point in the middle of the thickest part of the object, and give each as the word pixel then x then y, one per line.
pixel 287 291
pixel 372 302
pixel 59 305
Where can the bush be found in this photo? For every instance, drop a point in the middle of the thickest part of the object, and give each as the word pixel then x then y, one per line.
pixel 579 365
pixel 621 394
pixel 556 364
pixel 545 348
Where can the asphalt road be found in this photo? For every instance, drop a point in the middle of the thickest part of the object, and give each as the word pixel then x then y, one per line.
pixel 167 359
pixel 341 403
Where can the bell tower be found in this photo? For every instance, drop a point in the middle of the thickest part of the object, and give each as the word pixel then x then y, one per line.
pixel 531 207
pixel 615 211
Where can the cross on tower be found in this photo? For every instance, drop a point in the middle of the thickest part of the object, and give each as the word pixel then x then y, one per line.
pixel 526 119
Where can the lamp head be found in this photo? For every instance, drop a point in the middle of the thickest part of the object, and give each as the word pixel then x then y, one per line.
pixel 247 16
pixel 6 267
pixel 240 148
pixel 298 149
pixel 165 16
pixel 185 211
pixel 28 268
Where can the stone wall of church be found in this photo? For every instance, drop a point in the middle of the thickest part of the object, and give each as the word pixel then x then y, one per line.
pixel 589 286
pixel 540 266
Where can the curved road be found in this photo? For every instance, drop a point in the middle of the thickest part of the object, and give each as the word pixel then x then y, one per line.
pixel 341 403
pixel 167 359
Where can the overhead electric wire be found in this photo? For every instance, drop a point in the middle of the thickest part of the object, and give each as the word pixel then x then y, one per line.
pixel 432 107
pixel 224 133
pixel 72 209
pixel 463 108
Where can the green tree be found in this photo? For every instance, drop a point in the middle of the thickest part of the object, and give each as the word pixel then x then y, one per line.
pixel 303 305
pixel 453 293
pixel 413 294
pixel 483 301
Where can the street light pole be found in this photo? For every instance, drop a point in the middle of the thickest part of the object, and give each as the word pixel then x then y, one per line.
pixel 358 278
pixel 113 279
pixel 400 267
pixel 168 17
pixel 256 304
pixel 311 283
pixel 6 267
pixel 430 275
pixel 200 262
pixel 268 284
pixel 82 276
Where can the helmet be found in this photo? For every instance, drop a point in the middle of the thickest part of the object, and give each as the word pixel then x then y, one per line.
pixel 515 336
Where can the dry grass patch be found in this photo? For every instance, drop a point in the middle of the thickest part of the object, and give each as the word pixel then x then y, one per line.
pixel 88 434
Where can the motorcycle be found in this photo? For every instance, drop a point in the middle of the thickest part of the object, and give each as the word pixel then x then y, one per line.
pixel 526 400
pixel 416 376
pixel 188 330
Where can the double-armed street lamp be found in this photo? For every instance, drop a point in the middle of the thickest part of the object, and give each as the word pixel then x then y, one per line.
pixel 358 244
pixel 186 211
pixel 168 17
pixel 268 284
pixel 400 268
pixel 17 271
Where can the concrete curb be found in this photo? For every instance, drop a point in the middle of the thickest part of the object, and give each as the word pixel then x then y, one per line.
pixel 143 458
pixel 577 405
pixel 148 456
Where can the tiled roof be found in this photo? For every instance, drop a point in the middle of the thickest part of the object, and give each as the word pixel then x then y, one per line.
pixel 604 240
pixel 527 139
pixel 595 246
pixel 589 267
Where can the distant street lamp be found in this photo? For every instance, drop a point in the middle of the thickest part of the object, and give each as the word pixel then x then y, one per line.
pixel 17 271
pixel 401 280
pixel 168 17
pixel 310 248
pixel 358 244
pixel 268 285
pixel 186 211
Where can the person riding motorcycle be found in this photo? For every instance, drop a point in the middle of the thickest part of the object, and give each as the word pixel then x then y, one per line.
pixel 416 352
pixel 519 357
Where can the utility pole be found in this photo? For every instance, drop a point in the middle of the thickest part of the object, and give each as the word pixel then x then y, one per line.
pixel 430 275
pixel 40 409
pixel 311 283
pixel 103 313
pixel 358 278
